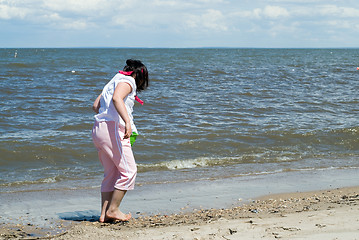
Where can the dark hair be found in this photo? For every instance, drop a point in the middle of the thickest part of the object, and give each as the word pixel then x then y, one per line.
pixel 141 72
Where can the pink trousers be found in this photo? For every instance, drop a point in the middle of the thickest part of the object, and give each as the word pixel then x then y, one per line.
pixel 116 157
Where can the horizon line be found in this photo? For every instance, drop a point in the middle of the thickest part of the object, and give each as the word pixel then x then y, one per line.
pixel 181 47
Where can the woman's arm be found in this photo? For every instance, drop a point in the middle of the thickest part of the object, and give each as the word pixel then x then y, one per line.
pixel 96 105
pixel 121 91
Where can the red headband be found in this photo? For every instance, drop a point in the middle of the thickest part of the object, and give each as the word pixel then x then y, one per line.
pixel 126 73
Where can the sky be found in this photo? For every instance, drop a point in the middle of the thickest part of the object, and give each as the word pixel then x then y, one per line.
pixel 179 23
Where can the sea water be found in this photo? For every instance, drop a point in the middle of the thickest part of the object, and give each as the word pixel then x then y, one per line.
pixel 209 114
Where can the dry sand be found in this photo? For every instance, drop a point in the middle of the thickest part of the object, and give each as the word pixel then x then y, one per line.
pixel 330 214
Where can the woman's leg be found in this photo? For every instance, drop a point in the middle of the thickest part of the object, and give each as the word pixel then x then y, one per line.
pixel 113 211
pixel 105 203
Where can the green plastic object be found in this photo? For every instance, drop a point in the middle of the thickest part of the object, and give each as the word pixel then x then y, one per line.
pixel 133 138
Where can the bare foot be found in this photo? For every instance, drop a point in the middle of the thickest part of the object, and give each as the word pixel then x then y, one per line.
pixel 117 215
pixel 103 218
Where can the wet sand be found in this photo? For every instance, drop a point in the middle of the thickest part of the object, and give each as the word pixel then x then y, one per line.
pixel 327 214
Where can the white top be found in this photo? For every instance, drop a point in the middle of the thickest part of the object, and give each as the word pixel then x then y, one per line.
pixel 107 111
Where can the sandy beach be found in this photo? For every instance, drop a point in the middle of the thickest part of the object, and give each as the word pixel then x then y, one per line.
pixel 326 214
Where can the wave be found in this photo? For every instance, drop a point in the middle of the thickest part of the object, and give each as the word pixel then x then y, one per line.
pixel 202 162
pixel 341 139
pixel 31 182
pixel 218 72
pixel 177 164
pixel 352 130
pixel 75 127
pixel 83 72
pixel 21 65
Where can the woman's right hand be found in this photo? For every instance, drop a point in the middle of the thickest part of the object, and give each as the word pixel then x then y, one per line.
pixel 128 130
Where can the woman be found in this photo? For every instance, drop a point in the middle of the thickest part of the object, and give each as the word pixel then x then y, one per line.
pixel 111 135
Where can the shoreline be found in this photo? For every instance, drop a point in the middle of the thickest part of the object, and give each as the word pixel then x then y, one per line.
pixel 319 214
pixel 47 213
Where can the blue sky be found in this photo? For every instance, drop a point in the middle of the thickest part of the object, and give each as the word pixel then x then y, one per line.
pixel 179 23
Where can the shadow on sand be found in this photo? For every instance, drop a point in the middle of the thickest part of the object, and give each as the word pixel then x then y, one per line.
pixel 79 216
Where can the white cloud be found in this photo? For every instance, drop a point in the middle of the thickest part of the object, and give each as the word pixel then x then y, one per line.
pixel 211 1
pixel 78 6
pixel 275 12
pixel 210 20
pixel 173 16
pixel 76 25
pixel 164 3
pixel 327 18
pixel 53 17
pixel 179 3
pixel 9 12
pixel 343 24
pixel 271 12
pixel 298 1
pixel 280 29
pixel 335 11
pixel 121 20
pixel 57 21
